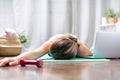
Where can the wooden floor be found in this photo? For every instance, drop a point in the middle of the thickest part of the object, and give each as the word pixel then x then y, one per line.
pixel 64 71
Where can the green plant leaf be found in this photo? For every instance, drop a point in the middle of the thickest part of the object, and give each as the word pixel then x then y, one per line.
pixel 110 13
pixel 22 38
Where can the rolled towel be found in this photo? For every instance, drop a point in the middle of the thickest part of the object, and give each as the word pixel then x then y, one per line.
pixel 11 33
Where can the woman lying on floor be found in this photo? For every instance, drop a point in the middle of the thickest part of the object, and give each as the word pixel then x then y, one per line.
pixel 62 46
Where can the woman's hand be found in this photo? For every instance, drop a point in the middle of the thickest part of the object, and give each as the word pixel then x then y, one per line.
pixel 91 54
pixel 9 61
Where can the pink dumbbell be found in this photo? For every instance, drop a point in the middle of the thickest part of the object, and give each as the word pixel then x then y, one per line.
pixel 38 62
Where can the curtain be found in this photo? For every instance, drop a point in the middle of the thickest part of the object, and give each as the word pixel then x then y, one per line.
pixel 41 19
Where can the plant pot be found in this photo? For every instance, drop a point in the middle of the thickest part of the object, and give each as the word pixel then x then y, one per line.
pixel 112 20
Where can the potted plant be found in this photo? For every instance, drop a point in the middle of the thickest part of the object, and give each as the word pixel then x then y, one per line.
pixel 22 38
pixel 111 16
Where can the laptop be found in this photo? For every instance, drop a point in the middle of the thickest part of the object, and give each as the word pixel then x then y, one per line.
pixel 107 45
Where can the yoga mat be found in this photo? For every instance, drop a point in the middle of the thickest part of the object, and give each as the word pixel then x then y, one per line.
pixel 46 58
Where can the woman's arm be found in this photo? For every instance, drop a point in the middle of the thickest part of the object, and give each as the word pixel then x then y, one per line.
pixel 37 52
pixel 27 55
pixel 84 51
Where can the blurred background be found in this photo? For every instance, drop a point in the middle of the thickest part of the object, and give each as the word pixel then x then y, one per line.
pixel 41 19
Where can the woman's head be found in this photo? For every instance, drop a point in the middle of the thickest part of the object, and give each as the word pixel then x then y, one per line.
pixel 65 47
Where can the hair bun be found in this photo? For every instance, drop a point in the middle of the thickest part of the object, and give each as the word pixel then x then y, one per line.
pixel 74 39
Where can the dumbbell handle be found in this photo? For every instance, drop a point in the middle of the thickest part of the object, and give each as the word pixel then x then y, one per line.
pixel 30 62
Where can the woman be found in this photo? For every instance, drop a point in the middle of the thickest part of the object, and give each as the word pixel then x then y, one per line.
pixel 62 46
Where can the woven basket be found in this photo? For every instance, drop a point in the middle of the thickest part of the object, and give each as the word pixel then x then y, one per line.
pixel 10 47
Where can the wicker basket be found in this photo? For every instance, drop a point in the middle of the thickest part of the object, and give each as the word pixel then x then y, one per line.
pixel 10 47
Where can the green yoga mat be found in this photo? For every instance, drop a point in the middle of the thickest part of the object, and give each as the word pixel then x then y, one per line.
pixel 46 58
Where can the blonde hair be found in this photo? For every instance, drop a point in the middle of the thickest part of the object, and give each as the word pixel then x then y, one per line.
pixel 65 47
